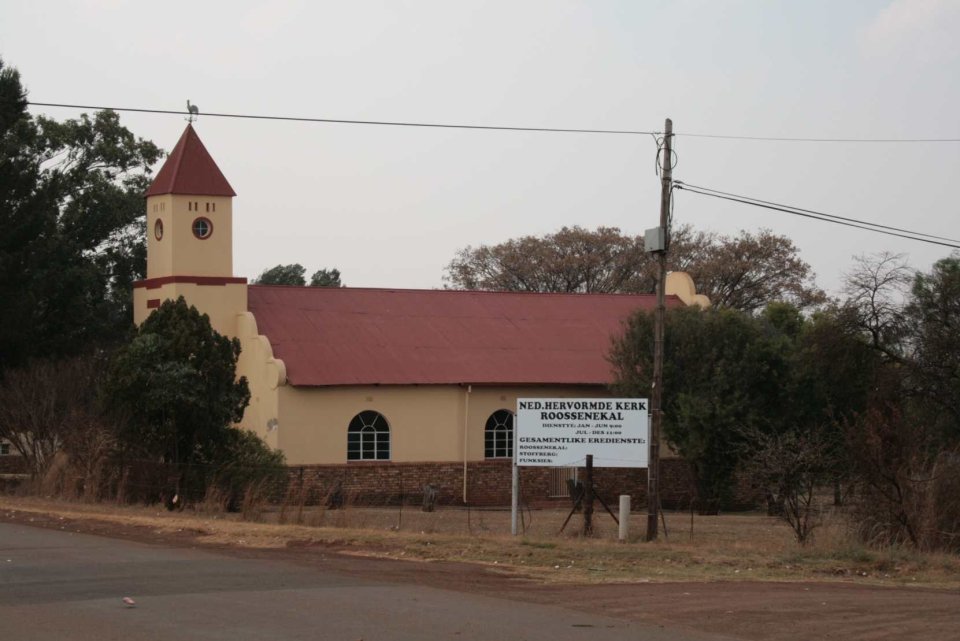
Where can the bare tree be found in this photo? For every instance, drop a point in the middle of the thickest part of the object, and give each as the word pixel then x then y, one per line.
pixel 573 259
pixel 908 479
pixel 875 290
pixel 45 404
pixel 791 467
pixel 906 445
pixel 748 271
pixel 744 272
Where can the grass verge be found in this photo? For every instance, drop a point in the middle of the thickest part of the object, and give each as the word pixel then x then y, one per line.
pixel 733 547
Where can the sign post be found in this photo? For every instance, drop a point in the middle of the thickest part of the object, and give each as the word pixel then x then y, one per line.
pixel 515 480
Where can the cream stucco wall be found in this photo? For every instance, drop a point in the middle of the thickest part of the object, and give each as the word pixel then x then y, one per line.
pixel 222 303
pixel 178 252
pixel 265 374
pixel 426 421
pixel 681 285
pixel 159 252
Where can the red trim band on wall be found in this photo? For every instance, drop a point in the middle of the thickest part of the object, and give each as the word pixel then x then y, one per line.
pixel 154 283
pixel 153 303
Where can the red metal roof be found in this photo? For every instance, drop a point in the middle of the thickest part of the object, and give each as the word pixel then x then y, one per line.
pixel 190 170
pixel 350 336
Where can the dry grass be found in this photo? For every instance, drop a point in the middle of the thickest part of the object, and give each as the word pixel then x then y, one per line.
pixel 731 547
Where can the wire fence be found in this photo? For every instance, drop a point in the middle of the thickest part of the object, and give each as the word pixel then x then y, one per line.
pixel 416 497
pixel 397 497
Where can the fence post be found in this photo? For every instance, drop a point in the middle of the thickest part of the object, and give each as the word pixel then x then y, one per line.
pixel 624 531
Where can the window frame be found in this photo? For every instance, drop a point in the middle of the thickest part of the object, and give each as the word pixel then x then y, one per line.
pixel 205 221
pixel 368 437
pixel 498 434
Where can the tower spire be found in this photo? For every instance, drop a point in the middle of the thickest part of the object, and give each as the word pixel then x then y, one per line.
pixel 190 170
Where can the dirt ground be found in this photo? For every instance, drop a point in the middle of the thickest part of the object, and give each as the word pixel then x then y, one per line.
pixel 742 609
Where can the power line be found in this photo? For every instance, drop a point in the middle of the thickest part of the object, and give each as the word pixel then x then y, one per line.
pixel 817 213
pixel 829 218
pixel 387 123
pixel 837 140
pixel 397 123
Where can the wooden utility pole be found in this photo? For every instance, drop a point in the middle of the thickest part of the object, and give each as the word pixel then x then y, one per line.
pixel 656 396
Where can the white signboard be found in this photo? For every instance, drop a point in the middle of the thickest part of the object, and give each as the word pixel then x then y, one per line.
pixel 560 432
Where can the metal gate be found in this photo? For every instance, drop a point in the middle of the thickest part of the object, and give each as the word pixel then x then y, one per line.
pixel 558 481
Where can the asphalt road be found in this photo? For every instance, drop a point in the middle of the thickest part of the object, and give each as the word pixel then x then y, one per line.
pixel 68 586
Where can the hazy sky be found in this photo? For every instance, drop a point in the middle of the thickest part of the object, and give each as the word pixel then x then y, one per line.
pixel 390 206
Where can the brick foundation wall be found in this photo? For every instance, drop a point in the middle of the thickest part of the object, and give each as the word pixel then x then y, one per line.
pixel 12 464
pixel 488 483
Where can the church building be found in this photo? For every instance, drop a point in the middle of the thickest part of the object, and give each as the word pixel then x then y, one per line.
pixel 381 387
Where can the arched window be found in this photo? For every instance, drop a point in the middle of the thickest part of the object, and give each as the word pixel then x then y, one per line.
pixel 498 435
pixel 368 437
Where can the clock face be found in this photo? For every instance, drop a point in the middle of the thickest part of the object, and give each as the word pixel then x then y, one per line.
pixel 158 229
pixel 202 228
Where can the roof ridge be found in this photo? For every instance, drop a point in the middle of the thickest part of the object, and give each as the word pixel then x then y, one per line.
pixel 459 291
pixel 173 158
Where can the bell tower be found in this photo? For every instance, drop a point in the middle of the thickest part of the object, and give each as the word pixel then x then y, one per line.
pixel 189 214
pixel 190 237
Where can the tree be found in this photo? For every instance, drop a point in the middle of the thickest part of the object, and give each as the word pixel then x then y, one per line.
pixel 248 466
pixel 904 446
pixel 726 373
pixel 42 405
pixel 175 381
pixel 293 275
pixel 283 275
pixel 748 271
pixel 71 209
pixel 909 476
pixel 933 319
pixel 326 278
pixel 836 372
pixel 792 466
pixel 571 260
pixel 875 289
pixel 745 272
pixel 912 319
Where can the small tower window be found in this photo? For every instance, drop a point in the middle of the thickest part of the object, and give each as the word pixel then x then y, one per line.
pixel 208 208
pixel 202 228
pixel 158 229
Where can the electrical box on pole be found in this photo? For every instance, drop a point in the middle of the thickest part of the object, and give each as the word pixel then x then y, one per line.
pixel 654 240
